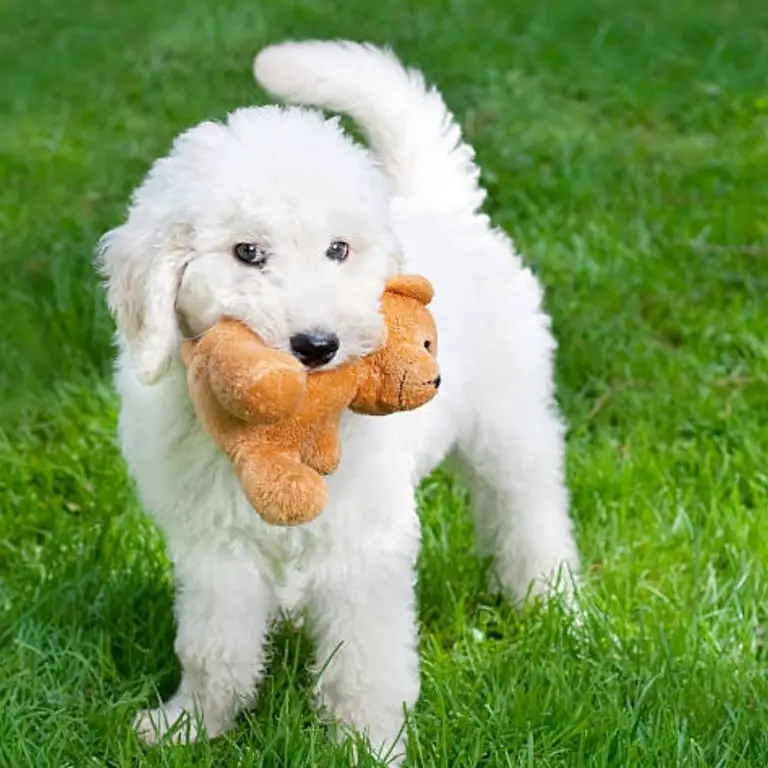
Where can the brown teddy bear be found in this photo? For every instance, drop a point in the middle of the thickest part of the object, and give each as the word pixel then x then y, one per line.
pixel 279 425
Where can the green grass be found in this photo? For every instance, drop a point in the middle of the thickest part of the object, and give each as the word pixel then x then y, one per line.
pixel 625 146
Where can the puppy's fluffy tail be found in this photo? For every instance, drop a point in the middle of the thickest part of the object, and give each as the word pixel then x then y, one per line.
pixel 406 122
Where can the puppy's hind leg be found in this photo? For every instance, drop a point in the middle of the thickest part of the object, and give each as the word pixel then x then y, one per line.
pixel 513 460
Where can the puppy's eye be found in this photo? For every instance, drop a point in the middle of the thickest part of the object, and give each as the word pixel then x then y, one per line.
pixel 428 345
pixel 251 254
pixel 338 250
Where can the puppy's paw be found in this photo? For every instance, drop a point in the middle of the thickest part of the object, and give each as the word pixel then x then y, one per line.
pixel 361 749
pixel 387 750
pixel 169 724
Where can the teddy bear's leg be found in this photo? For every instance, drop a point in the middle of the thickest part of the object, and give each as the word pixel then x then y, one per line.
pixel 223 607
pixel 280 488
pixel 513 459
pixel 324 453
pixel 361 614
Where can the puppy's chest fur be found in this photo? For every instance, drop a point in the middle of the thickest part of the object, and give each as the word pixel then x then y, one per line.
pixel 188 486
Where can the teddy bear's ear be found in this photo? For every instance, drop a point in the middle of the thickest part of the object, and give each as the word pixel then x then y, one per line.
pixel 412 287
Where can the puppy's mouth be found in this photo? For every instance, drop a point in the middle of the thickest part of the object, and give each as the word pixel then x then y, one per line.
pixel 338 362
pixel 317 366
pixel 313 366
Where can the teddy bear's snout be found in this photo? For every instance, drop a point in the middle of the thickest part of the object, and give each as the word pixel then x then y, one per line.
pixel 417 386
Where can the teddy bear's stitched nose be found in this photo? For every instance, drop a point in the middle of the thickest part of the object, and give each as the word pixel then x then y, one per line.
pixel 314 348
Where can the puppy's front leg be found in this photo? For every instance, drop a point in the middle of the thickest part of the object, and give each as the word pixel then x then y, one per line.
pixel 363 621
pixel 223 609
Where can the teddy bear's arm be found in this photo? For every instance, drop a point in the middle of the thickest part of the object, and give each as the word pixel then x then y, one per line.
pixel 324 452
pixel 251 381
pixel 368 399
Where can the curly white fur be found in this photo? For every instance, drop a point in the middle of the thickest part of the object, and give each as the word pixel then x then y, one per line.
pixel 292 181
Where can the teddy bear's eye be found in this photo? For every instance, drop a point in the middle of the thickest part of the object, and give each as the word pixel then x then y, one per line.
pixel 338 250
pixel 428 345
pixel 250 253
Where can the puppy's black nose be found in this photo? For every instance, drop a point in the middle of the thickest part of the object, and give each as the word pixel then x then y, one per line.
pixel 437 382
pixel 314 348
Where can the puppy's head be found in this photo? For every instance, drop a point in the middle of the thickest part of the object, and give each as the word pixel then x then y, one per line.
pixel 275 218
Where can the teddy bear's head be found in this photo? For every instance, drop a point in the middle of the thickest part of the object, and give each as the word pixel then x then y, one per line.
pixel 409 374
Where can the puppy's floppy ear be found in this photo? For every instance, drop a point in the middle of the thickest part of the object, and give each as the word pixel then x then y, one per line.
pixel 412 287
pixel 143 275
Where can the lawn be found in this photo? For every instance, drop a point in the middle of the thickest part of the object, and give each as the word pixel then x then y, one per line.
pixel 625 147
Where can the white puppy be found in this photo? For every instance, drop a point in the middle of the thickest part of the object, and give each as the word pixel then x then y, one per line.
pixel 280 219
